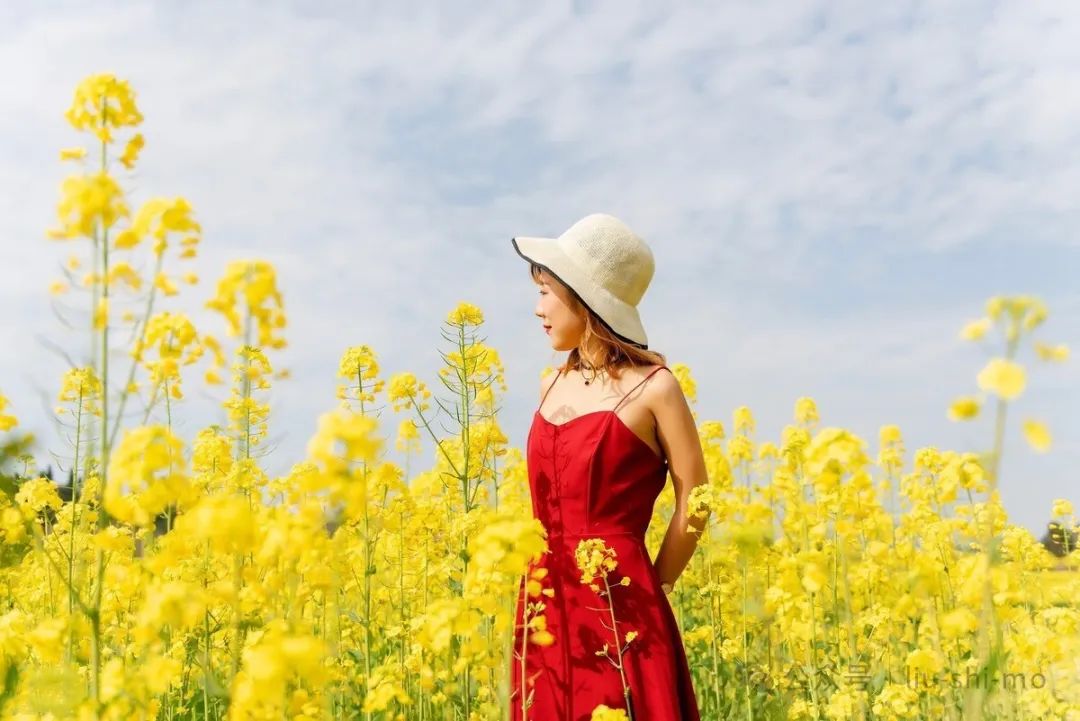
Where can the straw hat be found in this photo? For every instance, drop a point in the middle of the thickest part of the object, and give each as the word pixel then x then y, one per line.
pixel 605 264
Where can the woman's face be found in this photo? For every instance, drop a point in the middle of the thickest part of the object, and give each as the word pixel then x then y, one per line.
pixel 554 309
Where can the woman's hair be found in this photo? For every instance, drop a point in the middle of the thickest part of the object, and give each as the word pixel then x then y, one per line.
pixel 615 352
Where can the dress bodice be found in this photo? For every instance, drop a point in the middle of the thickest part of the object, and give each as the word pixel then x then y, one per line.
pixel 592 474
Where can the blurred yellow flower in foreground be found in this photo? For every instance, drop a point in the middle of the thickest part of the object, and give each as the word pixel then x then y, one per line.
pixel 603 712
pixel 1003 377
pixel 964 409
pixel 1054 353
pixel 976 329
pixel 103 101
pixel 1062 508
pixel 1037 435
pixel 146 473
pixel 88 204
pixel 7 422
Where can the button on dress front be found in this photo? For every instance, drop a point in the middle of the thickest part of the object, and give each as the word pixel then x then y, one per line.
pixel 592 477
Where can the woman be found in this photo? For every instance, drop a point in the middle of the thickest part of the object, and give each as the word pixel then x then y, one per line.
pixel 599 451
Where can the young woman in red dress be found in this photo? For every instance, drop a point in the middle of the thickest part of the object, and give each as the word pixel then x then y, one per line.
pixel 599 451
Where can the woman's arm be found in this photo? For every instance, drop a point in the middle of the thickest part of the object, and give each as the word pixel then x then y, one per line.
pixel 678 435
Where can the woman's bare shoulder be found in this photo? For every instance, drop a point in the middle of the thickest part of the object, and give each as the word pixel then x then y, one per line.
pixel 546 380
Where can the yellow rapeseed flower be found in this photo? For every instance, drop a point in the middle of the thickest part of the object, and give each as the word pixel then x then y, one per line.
pixel 219 360
pixel 890 435
pixel 101 313
pixel 595 559
pixel 813 577
pixel 131 150
pixel 542 637
pixel 1003 377
pixel 122 272
pixel 843 704
pixel 795 440
pixel 925 661
pixel 1037 435
pixel 837 448
pixel 969 471
pixel 1035 313
pixel 712 431
pixel 157 219
pixel 163 283
pixel 247 414
pixel 976 329
pixel 385 686
pixel 276 660
pixel 360 367
pixel 48 639
pixel 211 451
pixel 806 410
pixel 254 284
pixel 896 702
pixel 225 521
pixel 103 101
pixel 175 604
pixel 342 439
pixel 7 422
pixel 958 622
pixel 37 495
pixel 603 712
pixel 12 525
pixel 740 449
pixel 173 338
pixel 465 314
pixel 964 408
pixel 744 420
pixel 88 204
pixel 406 389
pixel 146 473
pixel 768 451
pixel 682 374
pixel 82 388
pixel 113 539
pixel 1054 353
pixel 508 545
pixel 1062 508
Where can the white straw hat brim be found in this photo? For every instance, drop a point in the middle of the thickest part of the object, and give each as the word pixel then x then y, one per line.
pixel 620 317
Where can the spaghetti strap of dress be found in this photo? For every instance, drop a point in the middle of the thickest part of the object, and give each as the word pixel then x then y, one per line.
pixel 637 386
pixel 557 374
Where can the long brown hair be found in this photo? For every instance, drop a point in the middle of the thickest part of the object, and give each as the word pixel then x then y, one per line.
pixel 615 353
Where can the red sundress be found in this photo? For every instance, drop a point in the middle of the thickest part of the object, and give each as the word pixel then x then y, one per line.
pixel 593 477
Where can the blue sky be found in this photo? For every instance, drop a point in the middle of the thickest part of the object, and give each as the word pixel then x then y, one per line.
pixel 831 190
